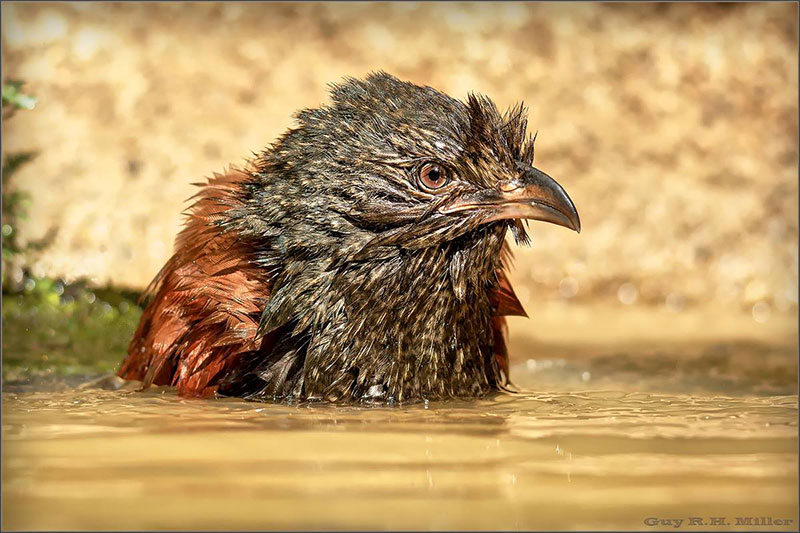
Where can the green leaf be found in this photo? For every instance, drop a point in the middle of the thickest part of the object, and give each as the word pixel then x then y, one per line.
pixel 12 96
pixel 13 161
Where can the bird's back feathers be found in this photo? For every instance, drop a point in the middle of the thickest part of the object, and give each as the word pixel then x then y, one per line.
pixel 204 304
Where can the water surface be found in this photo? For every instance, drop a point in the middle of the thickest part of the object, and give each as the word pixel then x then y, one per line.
pixel 577 459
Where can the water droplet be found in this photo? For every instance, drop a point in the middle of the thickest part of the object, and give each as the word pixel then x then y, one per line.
pixel 761 312
pixel 568 287
pixel 627 293
pixel 675 302
pixel 586 376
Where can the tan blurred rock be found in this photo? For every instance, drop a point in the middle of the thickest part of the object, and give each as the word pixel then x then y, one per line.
pixel 673 127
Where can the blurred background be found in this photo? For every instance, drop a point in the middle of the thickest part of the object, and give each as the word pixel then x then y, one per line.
pixel 672 126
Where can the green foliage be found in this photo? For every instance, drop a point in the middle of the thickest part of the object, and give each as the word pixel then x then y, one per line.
pixel 15 203
pixel 14 98
pixel 55 330
pixel 15 206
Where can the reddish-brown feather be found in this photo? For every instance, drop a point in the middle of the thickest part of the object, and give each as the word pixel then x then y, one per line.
pixel 204 304
pixel 500 330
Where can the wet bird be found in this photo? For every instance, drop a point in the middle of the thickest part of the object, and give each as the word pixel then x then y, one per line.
pixel 362 256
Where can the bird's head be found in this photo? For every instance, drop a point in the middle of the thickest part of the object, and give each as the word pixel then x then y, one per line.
pixel 381 218
pixel 393 164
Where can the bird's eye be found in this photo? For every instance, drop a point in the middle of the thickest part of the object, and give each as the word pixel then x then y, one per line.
pixel 433 176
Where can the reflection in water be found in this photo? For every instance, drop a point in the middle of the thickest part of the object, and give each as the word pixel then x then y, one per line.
pixel 84 459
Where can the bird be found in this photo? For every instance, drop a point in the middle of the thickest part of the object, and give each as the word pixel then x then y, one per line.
pixel 361 257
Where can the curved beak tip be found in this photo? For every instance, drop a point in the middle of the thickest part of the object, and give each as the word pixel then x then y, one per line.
pixel 535 196
pixel 561 208
pixel 574 218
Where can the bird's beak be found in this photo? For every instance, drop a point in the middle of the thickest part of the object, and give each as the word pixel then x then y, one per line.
pixel 533 195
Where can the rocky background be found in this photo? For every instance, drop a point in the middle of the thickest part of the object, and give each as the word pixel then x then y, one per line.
pixel 673 127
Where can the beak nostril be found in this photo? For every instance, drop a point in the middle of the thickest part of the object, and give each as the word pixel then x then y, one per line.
pixel 509 186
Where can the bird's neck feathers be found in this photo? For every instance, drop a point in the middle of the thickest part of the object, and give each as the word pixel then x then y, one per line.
pixel 377 321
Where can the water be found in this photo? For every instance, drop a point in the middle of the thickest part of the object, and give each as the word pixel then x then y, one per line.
pixel 564 459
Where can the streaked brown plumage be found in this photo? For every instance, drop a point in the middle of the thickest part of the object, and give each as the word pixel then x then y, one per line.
pixel 362 256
